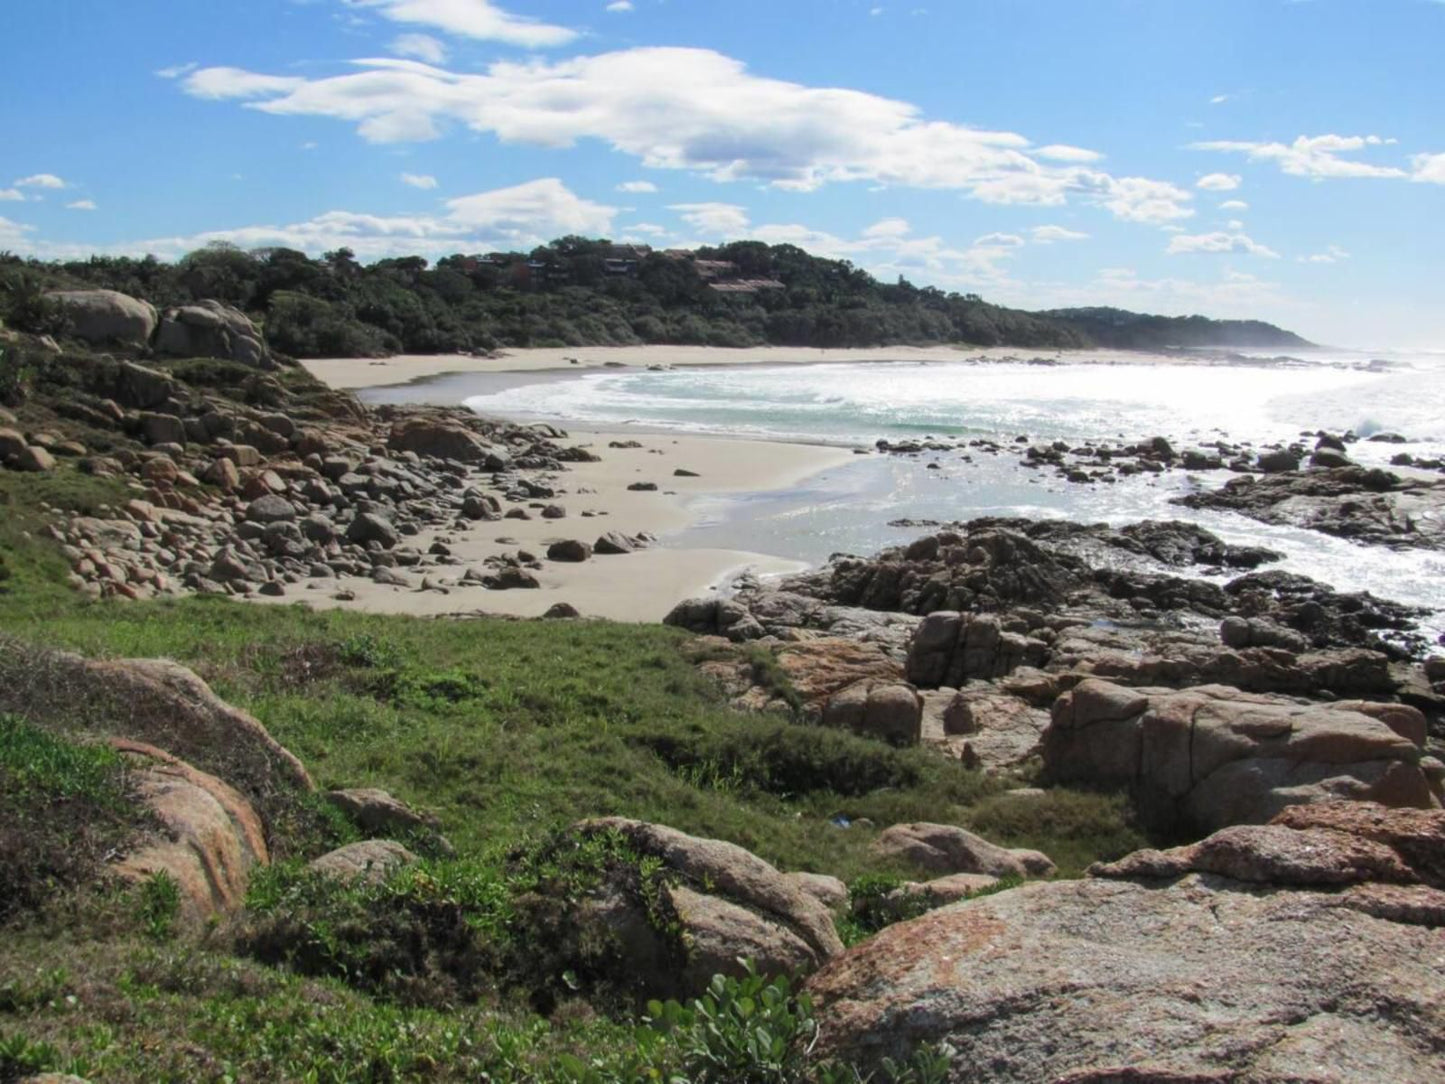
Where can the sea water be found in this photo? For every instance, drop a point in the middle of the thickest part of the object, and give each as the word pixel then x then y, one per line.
pixel 848 509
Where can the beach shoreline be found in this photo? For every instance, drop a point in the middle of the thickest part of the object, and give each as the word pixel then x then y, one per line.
pixel 356 374
pixel 638 587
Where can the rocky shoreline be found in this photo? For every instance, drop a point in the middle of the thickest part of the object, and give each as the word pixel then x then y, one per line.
pixel 1048 647
pixel 1290 736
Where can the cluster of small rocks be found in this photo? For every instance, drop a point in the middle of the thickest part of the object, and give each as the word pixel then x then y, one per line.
pixel 239 499
pixel 1102 461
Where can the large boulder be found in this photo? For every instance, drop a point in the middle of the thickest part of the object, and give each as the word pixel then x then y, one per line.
pixel 1000 729
pixel 947 849
pixel 446 439
pixel 370 527
pixel 211 329
pixel 105 317
pixel 1330 843
pixel 951 648
pixel 213 837
pixel 713 905
pixel 1212 756
pixel 139 386
pixel 1296 964
pixel 891 711
pixel 157 702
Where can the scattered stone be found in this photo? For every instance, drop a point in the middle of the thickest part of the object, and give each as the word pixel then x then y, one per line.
pixel 370 527
pixel 371 861
pixel 569 550
pixel 947 849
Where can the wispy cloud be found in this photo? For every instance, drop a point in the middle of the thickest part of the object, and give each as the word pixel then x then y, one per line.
pixel 1312 156
pixel 41 180
pixel 81 205
pixel 637 187
pixel 1217 243
pixel 1045 235
pixel 726 220
pixel 177 70
pixel 421 47
pixel 1332 254
pixel 479 19
pixel 1219 182
pixel 419 180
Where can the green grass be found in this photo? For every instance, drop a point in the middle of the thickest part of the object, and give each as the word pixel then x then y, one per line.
pixel 508 731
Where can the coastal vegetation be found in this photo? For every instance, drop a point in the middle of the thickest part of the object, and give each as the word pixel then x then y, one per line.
pixel 505 733
pixel 582 292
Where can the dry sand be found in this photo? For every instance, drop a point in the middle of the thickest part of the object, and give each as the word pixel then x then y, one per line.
pixel 357 373
pixel 640 586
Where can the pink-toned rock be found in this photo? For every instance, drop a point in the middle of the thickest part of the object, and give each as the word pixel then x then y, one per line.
pixel 215 837
pixel 948 849
pixel 1212 756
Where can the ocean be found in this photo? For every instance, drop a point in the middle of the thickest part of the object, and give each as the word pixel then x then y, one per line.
pixel 848 509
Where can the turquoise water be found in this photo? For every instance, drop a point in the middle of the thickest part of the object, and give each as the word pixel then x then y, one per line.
pixel 848 509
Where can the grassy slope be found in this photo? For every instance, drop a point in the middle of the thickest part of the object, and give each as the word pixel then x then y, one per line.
pixel 507 730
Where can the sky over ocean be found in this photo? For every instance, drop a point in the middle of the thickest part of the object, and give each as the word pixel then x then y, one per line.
pixel 1279 159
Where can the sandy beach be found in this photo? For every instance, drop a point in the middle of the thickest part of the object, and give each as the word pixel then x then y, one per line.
pixel 358 373
pixel 640 586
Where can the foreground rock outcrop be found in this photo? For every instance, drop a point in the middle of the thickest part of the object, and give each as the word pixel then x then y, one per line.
pixel 212 839
pixel 713 905
pixel 1202 977
pixel 154 701
pixel 1205 757
pixel 107 317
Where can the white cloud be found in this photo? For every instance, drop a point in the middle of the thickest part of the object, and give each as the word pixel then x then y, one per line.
pixel 647 229
pixel 1219 182
pixel 1234 205
pixel 701 111
pixel 719 219
pixel 1219 99
pixel 533 208
pixel 13 195
pixel 1044 235
pixel 419 180
pixel 1062 152
pixel 177 70
pixel 1312 156
pixel 41 180
pixel 999 240
pixel 889 227
pixel 1137 199
pixel 421 47
pixel 1219 242
pixel 521 217
pixel 472 19
pixel 639 187
pixel 219 83
pixel 1429 168
pixel 81 205
pixel 620 5
pixel 1331 254
pixel 12 234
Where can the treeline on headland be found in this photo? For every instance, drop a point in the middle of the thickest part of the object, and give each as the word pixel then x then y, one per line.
pixel 581 292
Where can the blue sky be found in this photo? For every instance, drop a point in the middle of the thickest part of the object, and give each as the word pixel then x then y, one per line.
pixel 1283 159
